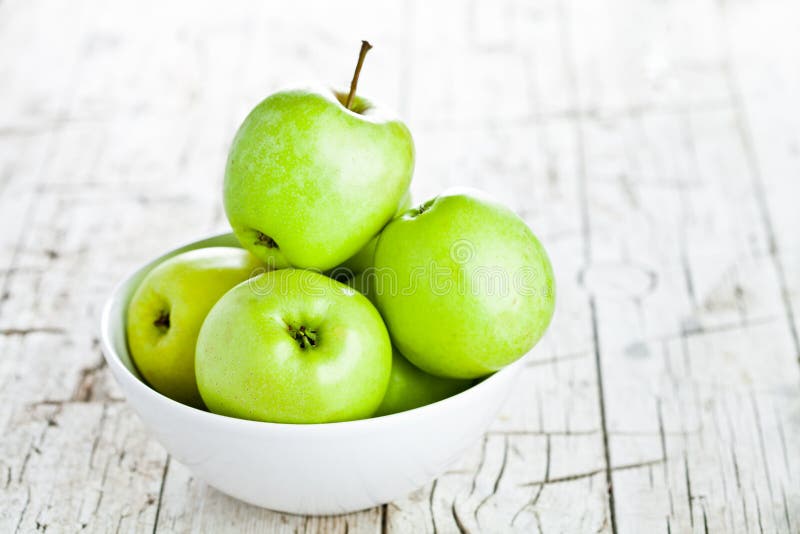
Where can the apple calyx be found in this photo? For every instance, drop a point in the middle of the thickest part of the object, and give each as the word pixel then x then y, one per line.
pixel 365 47
pixel 304 337
pixel 162 321
pixel 265 240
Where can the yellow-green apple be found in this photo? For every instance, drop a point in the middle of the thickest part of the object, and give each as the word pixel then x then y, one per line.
pixel 310 179
pixel 168 308
pixel 293 346
pixel 410 387
pixel 472 289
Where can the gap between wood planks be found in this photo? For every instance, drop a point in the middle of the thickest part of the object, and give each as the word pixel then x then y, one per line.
pixel 585 223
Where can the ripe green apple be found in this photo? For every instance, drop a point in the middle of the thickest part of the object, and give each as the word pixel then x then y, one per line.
pixel 168 307
pixel 362 260
pixel 410 387
pixel 472 289
pixel 293 346
pixel 309 182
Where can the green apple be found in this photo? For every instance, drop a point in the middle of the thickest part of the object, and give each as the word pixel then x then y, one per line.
pixel 362 260
pixel 309 182
pixel 410 387
pixel 293 346
pixel 168 308
pixel 471 287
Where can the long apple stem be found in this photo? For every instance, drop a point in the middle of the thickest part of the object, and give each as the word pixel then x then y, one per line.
pixel 365 47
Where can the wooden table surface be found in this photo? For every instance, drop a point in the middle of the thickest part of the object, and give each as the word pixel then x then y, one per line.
pixel 653 145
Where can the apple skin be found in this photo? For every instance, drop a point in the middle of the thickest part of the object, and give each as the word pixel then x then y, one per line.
pixel 309 182
pixel 253 363
pixel 410 387
pixel 362 260
pixel 184 287
pixel 449 314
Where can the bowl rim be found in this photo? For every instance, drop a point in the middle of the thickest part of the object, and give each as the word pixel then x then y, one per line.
pixel 114 361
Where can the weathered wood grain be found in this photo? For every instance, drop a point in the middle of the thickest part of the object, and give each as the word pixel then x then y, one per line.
pixel 653 146
pixel 696 337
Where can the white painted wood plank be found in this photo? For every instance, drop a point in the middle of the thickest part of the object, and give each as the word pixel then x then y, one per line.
pixel 78 466
pixel 694 344
pixel 190 505
pixel 770 129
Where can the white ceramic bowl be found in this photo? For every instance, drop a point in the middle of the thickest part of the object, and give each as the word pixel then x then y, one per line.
pixel 304 469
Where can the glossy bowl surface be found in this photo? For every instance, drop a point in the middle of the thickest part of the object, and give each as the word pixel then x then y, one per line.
pixel 304 469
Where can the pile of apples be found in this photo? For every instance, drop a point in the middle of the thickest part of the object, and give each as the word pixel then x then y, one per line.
pixel 344 302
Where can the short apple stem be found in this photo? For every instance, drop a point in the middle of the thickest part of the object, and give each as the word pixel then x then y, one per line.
pixel 365 47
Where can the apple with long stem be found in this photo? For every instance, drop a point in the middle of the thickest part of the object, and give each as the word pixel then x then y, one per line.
pixel 314 174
